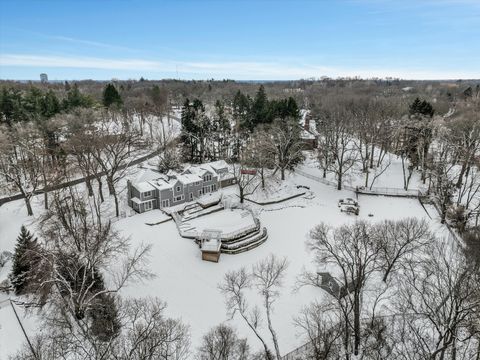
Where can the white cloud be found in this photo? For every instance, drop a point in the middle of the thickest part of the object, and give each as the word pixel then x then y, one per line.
pixel 264 70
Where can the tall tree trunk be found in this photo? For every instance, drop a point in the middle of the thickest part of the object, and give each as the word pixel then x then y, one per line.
pixel 29 205
pixel 117 209
pixel 270 327
pixel 460 176
pixel 111 187
pixel 100 189
pixel 88 182
pixel 45 192
pixel 356 321
pixel 372 151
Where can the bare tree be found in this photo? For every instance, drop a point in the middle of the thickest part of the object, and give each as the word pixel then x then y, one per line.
pixel 115 148
pixel 234 287
pixel 350 249
pixel 400 239
pixel 148 334
pixel 268 275
pixel 439 296
pixel 323 330
pixel 282 142
pixel 342 154
pixel 222 343
pixel 246 179
pixel 21 150
pixel 78 246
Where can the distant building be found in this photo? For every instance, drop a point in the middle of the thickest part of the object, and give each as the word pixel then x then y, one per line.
pixel 43 78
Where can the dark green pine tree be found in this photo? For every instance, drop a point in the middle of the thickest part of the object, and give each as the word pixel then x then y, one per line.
pixel 25 254
pixel 105 322
pixel 76 99
pixel 50 105
pixel 419 107
pixel 242 111
pixel 415 106
pixel 260 108
pixel 111 96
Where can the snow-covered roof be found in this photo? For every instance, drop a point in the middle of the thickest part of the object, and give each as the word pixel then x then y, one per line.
pixel 136 200
pixel 162 184
pixel 146 175
pixel 307 135
pixel 219 164
pixel 149 179
pixel 212 244
pixel 144 186
pixel 188 178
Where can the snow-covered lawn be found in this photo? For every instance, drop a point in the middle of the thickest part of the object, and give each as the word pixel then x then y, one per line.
pixel 190 285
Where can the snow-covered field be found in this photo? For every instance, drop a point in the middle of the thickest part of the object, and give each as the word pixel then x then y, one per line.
pixel 190 285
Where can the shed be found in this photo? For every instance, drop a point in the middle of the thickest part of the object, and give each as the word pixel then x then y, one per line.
pixel 210 243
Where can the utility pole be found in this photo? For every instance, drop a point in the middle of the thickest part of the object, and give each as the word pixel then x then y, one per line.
pixel 23 330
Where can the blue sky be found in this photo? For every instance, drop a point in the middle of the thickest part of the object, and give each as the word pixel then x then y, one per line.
pixel 242 39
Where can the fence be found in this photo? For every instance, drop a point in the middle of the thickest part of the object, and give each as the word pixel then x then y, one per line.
pixel 316 178
pixel 397 192
pixel 389 192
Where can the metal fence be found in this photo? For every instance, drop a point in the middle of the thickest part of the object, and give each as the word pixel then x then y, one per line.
pixel 398 192
pixel 390 191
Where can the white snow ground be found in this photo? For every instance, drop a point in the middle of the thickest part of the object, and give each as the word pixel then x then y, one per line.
pixel 190 285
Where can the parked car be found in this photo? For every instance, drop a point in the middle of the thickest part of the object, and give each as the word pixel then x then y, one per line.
pixel 349 206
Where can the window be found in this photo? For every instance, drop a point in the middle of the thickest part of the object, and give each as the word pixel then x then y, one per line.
pixel 148 205
pixel 214 187
pixel 147 194
pixel 207 177
pixel 191 196
pixel 166 203
pixel 178 198
pixel 200 192
pixel 198 183
pixel 179 188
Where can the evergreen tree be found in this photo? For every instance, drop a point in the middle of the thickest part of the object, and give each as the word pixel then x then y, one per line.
pixel 111 96
pixel 260 108
pixel 75 98
pixel 50 105
pixel 419 107
pixel 242 111
pixel 23 258
pixel 11 106
pixel 105 323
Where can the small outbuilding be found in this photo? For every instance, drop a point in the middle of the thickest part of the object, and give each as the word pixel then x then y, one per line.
pixel 210 244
